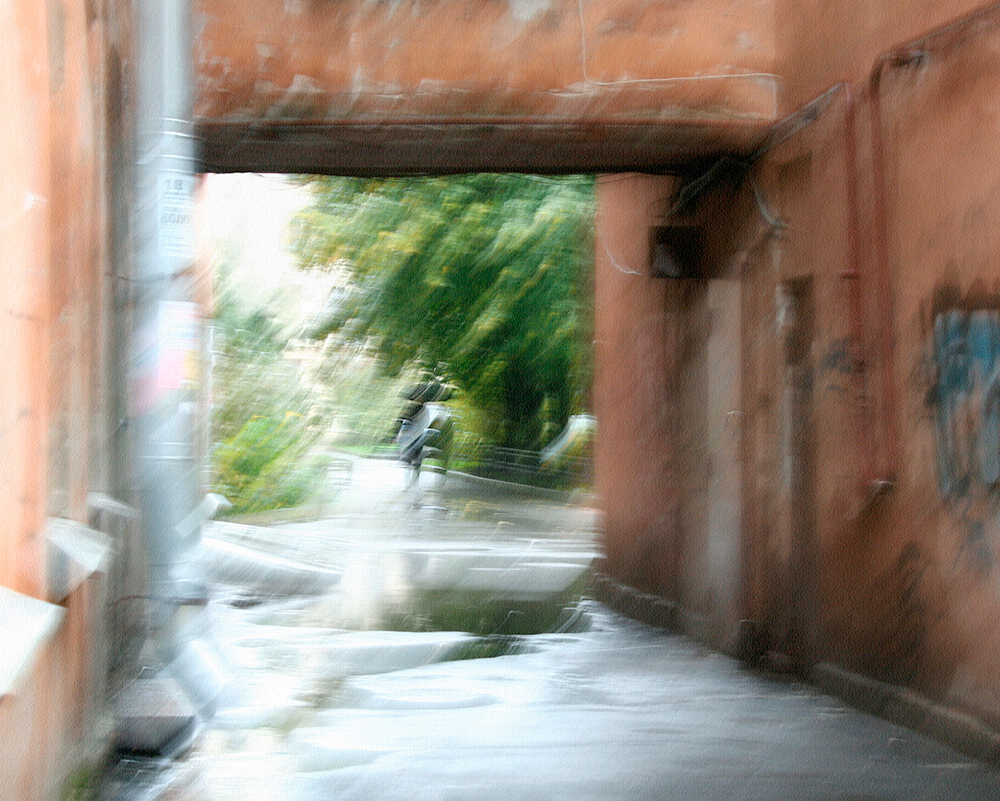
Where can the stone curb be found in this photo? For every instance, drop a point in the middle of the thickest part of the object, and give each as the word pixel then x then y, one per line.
pixel 904 707
pixel 898 705
pixel 645 607
pixel 274 517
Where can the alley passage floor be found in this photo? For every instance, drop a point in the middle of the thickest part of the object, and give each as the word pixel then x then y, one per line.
pixel 320 704
pixel 620 711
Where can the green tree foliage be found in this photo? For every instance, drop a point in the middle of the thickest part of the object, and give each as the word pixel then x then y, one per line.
pixel 265 420
pixel 486 275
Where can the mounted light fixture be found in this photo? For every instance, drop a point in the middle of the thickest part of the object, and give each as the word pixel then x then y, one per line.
pixel 675 251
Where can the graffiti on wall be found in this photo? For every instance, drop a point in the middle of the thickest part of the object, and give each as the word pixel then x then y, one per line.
pixel 839 365
pixel 967 400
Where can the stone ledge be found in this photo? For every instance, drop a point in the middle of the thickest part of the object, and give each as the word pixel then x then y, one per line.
pixel 904 707
pixel 75 553
pixel 26 623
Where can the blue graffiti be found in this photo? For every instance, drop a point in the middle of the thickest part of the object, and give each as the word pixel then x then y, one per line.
pixel 839 357
pixel 967 357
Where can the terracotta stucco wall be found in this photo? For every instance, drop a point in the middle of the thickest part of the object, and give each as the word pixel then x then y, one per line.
pixel 55 291
pixel 895 226
pixel 78 234
pixel 668 399
pixel 53 273
pixel 940 121
pixel 812 377
pixel 819 43
pixel 634 401
pixel 543 85
pixel 483 58
pixel 24 281
pixel 866 244
pixel 667 375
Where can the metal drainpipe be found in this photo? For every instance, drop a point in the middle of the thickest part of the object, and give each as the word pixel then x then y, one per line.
pixel 886 310
pixel 168 323
pixel 863 441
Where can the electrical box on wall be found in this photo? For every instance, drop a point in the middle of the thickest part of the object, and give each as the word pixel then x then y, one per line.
pixel 675 251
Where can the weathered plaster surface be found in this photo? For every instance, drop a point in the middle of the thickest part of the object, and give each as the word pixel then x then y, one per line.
pixel 25 206
pixel 439 86
pixel 53 310
pixel 941 120
pixel 890 204
pixel 633 398
pixel 819 43
pixel 572 60
pixel 871 452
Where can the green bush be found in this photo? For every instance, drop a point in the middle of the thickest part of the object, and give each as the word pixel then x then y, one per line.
pixel 266 465
pixel 268 419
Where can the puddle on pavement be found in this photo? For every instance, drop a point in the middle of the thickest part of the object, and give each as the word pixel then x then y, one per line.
pixel 299 696
pixel 406 628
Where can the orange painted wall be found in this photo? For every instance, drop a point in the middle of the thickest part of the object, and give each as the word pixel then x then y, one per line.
pixel 824 572
pixel 78 236
pixel 538 59
pixel 55 294
pixel 884 210
pixel 819 43
pixel 633 395
pixel 52 267
pixel 939 120
pixel 24 281
pixel 903 580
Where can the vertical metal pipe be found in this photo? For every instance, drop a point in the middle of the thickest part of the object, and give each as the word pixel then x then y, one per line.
pixel 164 379
pixel 890 429
pixel 863 442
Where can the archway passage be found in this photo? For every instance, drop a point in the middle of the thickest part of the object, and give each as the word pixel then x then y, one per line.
pixel 340 302
pixel 557 87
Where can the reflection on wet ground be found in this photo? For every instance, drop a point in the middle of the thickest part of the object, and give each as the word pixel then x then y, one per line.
pixel 396 577
pixel 355 690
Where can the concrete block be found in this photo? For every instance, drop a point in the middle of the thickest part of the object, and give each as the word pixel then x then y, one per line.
pixel 154 717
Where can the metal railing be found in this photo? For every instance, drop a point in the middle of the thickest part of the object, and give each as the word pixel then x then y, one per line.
pixel 523 466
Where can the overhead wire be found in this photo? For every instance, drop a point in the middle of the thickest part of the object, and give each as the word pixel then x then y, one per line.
pixel 773 77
